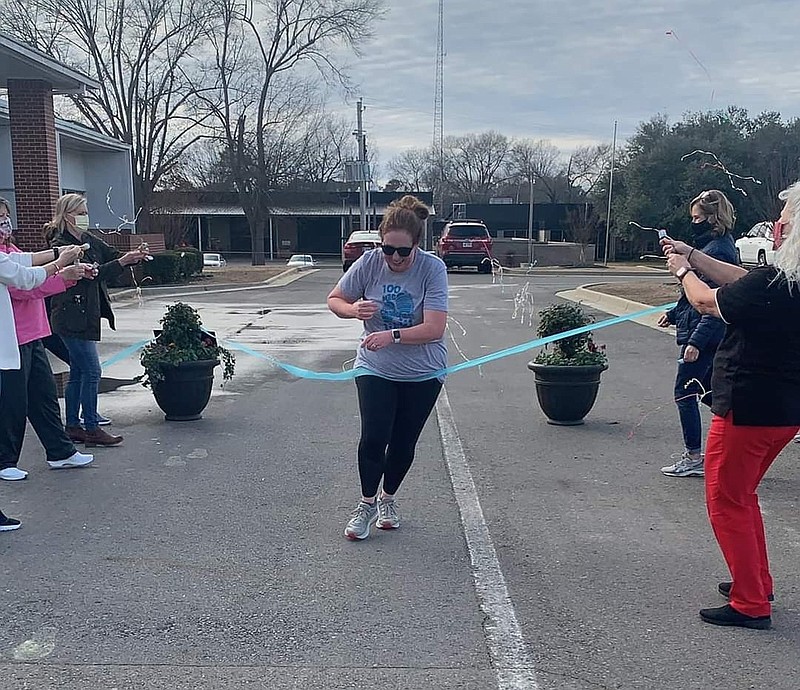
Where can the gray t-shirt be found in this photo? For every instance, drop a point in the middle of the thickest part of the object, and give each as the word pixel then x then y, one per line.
pixel 403 297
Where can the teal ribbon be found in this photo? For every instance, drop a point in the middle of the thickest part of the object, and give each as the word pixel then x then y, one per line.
pixel 350 374
pixel 124 354
pixel 299 372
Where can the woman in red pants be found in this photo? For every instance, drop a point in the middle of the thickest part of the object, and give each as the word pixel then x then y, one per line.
pixel 756 403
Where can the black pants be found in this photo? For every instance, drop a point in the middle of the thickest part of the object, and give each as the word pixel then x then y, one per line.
pixel 53 342
pixel 393 414
pixel 57 347
pixel 30 391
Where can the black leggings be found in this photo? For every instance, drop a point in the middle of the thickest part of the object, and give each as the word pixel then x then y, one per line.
pixel 393 414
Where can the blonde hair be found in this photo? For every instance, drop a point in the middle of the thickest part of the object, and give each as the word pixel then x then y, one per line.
pixel 787 258
pixel 717 209
pixel 67 204
pixel 407 214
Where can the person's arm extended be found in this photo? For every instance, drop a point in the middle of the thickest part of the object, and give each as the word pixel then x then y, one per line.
pixel 717 271
pixel 54 285
pixel 700 296
pixel 67 254
pixel 431 329
pixel 720 272
pixel 17 275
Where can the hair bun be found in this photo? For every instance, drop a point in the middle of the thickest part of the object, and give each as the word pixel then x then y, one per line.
pixel 412 203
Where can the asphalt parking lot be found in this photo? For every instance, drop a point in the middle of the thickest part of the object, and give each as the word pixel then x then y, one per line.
pixel 210 554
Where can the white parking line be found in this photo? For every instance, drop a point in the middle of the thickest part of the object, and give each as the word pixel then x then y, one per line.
pixel 504 638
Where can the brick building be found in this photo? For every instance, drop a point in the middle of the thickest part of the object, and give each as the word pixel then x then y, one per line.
pixel 43 157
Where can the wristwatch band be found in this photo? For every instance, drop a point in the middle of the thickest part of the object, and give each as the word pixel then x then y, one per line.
pixel 56 252
pixel 396 336
pixel 681 273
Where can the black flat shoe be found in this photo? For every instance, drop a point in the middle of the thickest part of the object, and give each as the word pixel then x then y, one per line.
pixel 724 588
pixel 727 615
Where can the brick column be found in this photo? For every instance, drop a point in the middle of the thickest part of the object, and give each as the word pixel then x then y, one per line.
pixel 35 157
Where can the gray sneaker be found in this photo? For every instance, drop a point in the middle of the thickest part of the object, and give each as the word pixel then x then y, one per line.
pixel 685 466
pixel 360 522
pixel 388 517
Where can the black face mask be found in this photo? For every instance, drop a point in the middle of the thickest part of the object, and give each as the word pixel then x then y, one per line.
pixel 702 228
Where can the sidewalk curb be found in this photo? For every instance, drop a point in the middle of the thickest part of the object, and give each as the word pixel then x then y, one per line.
pixel 616 306
pixel 280 279
pixel 599 270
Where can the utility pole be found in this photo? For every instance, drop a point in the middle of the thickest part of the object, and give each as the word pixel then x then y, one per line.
pixel 610 191
pixel 362 167
pixel 531 181
pixel 438 111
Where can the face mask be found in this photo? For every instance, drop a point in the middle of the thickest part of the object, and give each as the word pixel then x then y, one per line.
pixel 701 228
pixel 82 222
pixel 6 229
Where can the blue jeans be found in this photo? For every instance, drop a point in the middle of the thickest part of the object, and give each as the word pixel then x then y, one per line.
pixel 692 381
pixel 84 382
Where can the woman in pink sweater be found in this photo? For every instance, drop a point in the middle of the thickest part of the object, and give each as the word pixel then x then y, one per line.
pixel 30 391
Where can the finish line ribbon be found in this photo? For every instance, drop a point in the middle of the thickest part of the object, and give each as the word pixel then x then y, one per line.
pixel 299 372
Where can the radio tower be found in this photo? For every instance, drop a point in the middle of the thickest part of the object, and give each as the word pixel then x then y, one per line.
pixel 438 109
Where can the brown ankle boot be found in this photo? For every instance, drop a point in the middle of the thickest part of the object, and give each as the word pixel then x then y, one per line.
pixel 98 437
pixel 76 434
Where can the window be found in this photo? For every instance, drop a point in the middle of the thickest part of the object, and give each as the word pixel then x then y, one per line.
pixel 467 231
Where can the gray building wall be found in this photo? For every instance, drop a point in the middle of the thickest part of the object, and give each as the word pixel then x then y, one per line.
pixel 86 168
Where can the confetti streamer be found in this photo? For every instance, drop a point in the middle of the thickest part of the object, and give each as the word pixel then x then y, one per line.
pixel 523 303
pixel 497 273
pixel 672 33
pixel 719 165
pixel 641 227
pixel 124 221
pixel 450 320
pixel 702 394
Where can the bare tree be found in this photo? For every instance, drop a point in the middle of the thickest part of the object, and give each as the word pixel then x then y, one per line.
pixel 326 143
pixel 203 166
pixel 582 229
pixel 141 53
pixel 413 169
pixel 586 168
pixel 537 160
pixel 473 164
pixel 264 51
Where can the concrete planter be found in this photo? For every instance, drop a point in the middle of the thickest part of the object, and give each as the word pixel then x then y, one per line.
pixel 185 390
pixel 566 394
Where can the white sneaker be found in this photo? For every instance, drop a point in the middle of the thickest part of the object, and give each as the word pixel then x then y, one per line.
pixel 13 474
pixel 686 466
pixel 388 517
pixel 75 460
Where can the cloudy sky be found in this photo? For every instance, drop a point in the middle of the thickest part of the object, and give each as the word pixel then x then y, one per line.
pixel 564 70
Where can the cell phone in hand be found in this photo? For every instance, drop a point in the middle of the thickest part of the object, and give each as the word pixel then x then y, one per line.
pixel 662 234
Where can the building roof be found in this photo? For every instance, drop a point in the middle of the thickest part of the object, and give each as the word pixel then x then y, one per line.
pixel 74 135
pixel 303 211
pixel 21 61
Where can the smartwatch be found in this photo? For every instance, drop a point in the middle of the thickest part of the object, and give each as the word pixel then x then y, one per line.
pixel 396 336
pixel 56 252
pixel 680 274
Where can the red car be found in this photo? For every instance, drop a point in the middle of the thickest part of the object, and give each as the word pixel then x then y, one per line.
pixel 466 243
pixel 358 243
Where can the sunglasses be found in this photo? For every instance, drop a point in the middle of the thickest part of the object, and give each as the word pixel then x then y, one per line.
pixel 388 249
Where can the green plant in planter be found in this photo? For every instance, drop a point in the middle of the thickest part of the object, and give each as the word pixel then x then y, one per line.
pixel 182 339
pixel 576 350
